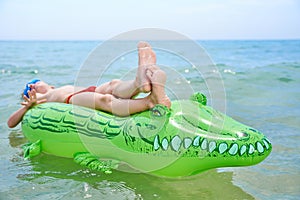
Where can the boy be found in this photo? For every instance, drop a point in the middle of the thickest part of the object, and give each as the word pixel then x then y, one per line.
pixel 114 96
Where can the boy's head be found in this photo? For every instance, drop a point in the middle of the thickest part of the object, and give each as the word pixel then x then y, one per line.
pixel 38 85
pixel 28 88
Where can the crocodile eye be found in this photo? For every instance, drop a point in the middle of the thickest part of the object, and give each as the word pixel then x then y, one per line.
pixel 158 110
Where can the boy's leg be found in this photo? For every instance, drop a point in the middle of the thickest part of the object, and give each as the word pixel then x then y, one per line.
pixel 147 58
pixel 122 89
pixel 118 88
pixel 111 104
pixel 125 107
pixel 128 89
pixel 158 80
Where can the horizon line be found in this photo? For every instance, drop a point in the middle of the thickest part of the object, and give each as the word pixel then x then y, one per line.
pixel 204 39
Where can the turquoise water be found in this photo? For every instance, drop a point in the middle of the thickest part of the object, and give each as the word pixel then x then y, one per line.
pixel 261 81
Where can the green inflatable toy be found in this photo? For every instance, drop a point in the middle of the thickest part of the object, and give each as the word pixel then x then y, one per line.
pixel 184 140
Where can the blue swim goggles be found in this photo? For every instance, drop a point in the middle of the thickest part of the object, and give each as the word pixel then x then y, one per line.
pixel 27 87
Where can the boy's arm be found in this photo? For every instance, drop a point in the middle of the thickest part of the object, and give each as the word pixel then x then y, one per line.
pixel 17 116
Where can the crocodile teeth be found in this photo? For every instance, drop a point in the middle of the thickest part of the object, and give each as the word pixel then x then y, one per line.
pixel 267 140
pixel 233 149
pixel 156 143
pixel 243 150
pixel 196 141
pixel 223 147
pixel 165 144
pixel 187 142
pixel 204 144
pixel 266 144
pixel 175 143
pixel 251 149
pixel 212 146
pixel 259 147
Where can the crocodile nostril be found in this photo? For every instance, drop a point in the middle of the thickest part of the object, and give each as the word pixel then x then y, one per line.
pixel 242 134
pixel 150 126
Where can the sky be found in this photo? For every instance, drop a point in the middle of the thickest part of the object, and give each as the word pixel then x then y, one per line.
pixel 196 19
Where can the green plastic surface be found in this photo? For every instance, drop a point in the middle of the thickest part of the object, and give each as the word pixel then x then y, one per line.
pixel 184 140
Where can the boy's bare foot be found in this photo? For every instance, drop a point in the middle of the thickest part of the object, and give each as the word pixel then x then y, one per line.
pixel 158 81
pixel 147 58
pixel 146 54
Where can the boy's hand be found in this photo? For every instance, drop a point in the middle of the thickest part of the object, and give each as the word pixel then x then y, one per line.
pixel 32 100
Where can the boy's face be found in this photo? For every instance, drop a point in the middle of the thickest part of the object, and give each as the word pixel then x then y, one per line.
pixel 40 87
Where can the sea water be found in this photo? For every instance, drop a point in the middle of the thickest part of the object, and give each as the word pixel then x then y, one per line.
pixel 261 81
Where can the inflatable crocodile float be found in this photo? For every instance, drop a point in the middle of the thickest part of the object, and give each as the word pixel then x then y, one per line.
pixel 184 140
